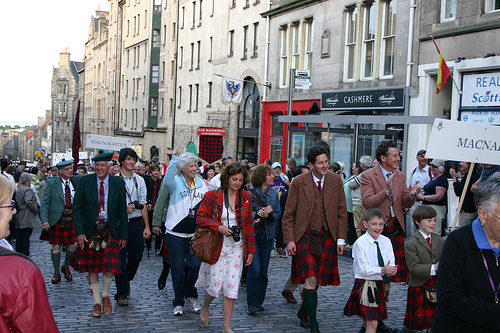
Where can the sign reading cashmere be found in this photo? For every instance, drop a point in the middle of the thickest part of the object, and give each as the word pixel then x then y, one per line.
pixel 232 90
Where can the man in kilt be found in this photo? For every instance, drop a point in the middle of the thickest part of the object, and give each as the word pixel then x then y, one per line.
pixel 57 218
pixel 384 187
pixel 315 229
pixel 101 226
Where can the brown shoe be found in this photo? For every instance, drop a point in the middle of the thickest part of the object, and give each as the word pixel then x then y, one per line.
pixel 288 296
pixel 96 311
pixel 106 305
pixel 122 300
pixel 57 278
pixel 67 273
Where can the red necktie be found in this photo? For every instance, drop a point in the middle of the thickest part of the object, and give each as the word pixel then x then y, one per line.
pixel 67 195
pixel 155 193
pixel 429 241
pixel 319 185
pixel 101 196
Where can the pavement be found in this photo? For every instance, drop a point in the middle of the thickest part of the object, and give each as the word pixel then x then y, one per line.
pixel 150 309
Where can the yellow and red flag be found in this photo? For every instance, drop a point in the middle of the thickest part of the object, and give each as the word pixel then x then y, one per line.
pixel 443 71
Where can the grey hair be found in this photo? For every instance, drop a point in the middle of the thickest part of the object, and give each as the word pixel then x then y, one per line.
pixel 366 161
pixel 441 169
pixel 23 179
pixel 488 193
pixel 185 159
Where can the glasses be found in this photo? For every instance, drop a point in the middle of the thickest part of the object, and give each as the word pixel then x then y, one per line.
pixel 11 206
pixel 491 213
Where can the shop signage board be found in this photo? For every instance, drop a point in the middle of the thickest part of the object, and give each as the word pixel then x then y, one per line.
pixel 460 141
pixel 107 142
pixel 481 90
pixel 369 99
pixel 481 117
pixel 302 79
pixel 212 131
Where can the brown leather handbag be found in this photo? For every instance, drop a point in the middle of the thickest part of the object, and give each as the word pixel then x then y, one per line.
pixel 203 243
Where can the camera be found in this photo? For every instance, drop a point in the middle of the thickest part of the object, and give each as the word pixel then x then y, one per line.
pixel 138 205
pixel 236 233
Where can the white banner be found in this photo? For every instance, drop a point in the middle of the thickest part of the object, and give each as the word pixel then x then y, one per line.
pixel 459 141
pixel 481 90
pixel 107 142
pixel 483 117
pixel 232 90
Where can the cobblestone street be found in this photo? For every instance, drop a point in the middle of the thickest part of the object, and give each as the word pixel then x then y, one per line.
pixel 150 310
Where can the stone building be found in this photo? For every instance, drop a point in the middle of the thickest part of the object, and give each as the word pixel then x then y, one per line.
pixel 65 96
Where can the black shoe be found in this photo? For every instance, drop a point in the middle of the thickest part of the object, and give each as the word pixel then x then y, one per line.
pixel 363 328
pixel 382 328
pixel 162 280
pixel 304 319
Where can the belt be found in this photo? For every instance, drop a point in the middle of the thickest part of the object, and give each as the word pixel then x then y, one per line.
pixel 134 219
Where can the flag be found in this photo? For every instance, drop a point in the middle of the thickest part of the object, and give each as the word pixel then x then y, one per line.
pixel 77 143
pixel 38 158
pixel 232 90
pixel 443 71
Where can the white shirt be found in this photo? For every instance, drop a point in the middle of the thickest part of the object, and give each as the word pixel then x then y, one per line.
pixel 422 176
pixel 364 253
pixel 5 244
pixel 135 193
pixel 214 183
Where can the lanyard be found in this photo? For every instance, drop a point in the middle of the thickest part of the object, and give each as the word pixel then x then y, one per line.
pixel 495 290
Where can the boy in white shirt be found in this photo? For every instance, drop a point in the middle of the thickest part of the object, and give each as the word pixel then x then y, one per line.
pixel 373 266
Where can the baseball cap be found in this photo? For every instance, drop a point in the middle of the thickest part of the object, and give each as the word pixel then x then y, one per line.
pixel 276 165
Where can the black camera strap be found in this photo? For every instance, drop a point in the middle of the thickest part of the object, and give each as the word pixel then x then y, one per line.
pixel 132 192
pixel 227 205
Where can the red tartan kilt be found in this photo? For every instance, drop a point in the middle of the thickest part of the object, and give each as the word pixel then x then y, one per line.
pixel 163 250
pixel 419 311
pixel 323 267
pixel 56 235
pixel 398 245
pixel 353 306
pixel 90 260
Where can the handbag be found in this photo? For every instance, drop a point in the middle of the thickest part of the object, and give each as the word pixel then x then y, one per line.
pixel 66 221
pixel 99 238
pixel 315 244
pixel 203 243
pixel 431 293
pixel 370 295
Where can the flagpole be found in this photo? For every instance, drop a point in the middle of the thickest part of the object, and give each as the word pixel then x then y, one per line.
pixel 262 84
pixel 452 78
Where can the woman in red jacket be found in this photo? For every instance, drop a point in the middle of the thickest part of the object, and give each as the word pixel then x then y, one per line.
pixel 228 211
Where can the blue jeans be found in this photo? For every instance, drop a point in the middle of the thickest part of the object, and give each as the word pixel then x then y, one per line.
pixel 257 272
pixel 180 254
pixel 131 257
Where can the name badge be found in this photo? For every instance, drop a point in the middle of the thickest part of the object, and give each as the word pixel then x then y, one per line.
pixel 102 213
pixel 192 213
pixel 392 211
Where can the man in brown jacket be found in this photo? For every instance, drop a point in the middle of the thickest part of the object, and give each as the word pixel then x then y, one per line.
pixel 315 229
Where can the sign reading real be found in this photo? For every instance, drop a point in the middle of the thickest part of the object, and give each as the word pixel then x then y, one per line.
pixel 481 90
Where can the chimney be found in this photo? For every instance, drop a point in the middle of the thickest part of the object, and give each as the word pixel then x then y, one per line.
pixel 64 57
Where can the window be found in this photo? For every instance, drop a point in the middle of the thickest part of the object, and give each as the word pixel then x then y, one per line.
pixel 295 45
pixel 255 39
pixel 209 94
pixel 180 97
pixel 211 48
pixel 196 96
pixel 283 56
pixel 492 5
pixel 138 23
pixel 173 32
pixel 213 8
pixel 67 127
pixel 172 68
pixel 192 56
pixel 144 85
pixel 245 42
pixel 135 25
pixel 162 108
pixel 449 10
pixel 128 58
pixel 181 57
pixel 199 54
pixel 183 15
pixel 63 89
pixel 154 107
pixel 58 127
pixel 126 89
pixel 62 107
pixel 233 3
pixel 156 38
pixel 190 98
pixel 57 146
pixel 128 27
pixel 194 14
pixel 388 37
pixel 163 71
pixel 201 13
pixel 231 43
pixel 145 19
pixel 368 40
pixel 308 44
pixel 155 72
pixel 247 4
pixel 171 106
pixel 124 117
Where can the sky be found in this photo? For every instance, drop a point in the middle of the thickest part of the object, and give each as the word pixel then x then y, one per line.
pixel 35 32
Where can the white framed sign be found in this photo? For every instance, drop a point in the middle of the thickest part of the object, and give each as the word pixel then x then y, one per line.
pixel 107 142
pixel 481 89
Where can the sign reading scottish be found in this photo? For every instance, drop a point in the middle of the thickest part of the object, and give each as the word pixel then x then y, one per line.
pixel 481 116
pixel 459 141
pixel 370 99
pixel 481 90
pixel 107 142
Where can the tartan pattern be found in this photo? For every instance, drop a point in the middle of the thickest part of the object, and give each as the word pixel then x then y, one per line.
pixel 77 143
pixel 354 307
pixel 56 235
pixel 419 311
pixel 209 216
pixel 90 260
pixel 398 246
pixel 323 267
pixel 210 148
pixel 67 195
pixel 101 199
pixel 164 250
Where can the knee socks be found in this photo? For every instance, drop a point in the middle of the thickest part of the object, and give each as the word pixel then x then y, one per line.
pixel 310 304
pixel 56 261
pixel 68 257
pixel 96 292
pixel 106 282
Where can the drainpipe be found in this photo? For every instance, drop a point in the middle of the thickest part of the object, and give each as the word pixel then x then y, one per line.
pixel 409 62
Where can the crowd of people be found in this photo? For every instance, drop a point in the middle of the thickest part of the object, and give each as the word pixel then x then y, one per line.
pixel 105 217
